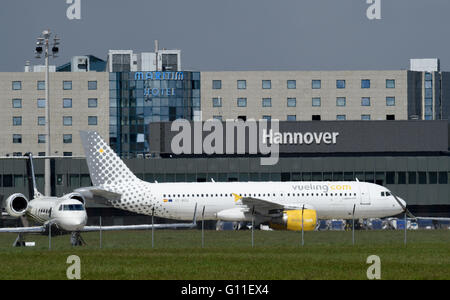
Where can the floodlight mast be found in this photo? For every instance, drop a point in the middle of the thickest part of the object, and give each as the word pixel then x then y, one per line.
pixel 43 46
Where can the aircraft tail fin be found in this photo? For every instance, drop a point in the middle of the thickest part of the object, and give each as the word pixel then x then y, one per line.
pixel 32 187
pixel 105 167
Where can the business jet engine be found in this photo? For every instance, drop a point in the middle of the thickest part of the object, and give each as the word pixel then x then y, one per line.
pixel 16 205
pixel 292 220
pixel 75 196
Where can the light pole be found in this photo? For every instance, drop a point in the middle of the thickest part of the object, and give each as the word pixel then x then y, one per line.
pixel 42 47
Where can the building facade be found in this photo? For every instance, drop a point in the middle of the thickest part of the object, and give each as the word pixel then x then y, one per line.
pixel 78 101
pixel 325 95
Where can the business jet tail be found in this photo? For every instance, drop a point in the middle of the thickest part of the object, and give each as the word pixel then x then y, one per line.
pixel 105 167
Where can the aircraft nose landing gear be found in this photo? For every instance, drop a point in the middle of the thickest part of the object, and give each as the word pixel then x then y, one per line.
pixel 76 240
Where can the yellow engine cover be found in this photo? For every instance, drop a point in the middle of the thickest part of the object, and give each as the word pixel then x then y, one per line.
pixel 294 220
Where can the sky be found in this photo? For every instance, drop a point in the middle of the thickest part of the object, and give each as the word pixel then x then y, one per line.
pixel 227 35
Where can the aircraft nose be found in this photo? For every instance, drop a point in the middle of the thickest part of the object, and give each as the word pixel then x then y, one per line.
pixel 74 223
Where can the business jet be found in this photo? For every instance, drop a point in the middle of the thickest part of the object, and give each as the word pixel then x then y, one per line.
pixel 66 214
pixel 281 205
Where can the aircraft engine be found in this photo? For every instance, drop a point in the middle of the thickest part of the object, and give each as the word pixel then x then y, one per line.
pixel 75 196
pixel 292 220
pixel 16 205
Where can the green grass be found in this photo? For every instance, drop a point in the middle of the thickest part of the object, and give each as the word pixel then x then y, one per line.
pixel 228 255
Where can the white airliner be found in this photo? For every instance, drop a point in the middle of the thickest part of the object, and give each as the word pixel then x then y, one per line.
pixel 281 205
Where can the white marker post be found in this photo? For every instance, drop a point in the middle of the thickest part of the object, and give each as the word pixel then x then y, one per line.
pixel 353 224
pixel 406 227
pixel 153 227
pixel 101 237
pixel 303 231
pixel 203 228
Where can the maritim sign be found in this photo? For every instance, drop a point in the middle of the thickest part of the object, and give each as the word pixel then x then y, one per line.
pixel 158 76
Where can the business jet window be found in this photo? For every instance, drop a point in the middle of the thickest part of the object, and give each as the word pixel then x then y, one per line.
pixel 73 207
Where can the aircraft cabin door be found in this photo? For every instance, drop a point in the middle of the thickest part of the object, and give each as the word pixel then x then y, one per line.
pixel 365 195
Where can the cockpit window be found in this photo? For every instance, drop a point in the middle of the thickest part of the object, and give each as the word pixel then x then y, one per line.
pixel 388 194
pixel 73 207
pixel 382 194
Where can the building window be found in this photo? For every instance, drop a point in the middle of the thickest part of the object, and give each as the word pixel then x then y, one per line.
pixel 390 101
pixel 67 121
pixel 267 118
pixel 267 102
pixel 242 102
pixel 17 85
pixel 41 85
pixel 317 84
pixel 41 121
pixel 92 120
pixel 390 83
pixel 41 103
pixel 422 177
pixel 291 84
pixel 92 85
pixel 390 117
pixel 41 138
pixel 267 84
pixel 217 102
pixel 17 121
pixel 17 139
pixel 67 154
pixel 17 103
pixel 292 102
pixel 365 101
pixel 341 101
pixel 341 117
pixel 67 139
pixel 67 103
pixel 316 102
pixel 217 84
pixel 316 117
pixel 365 83
pixel 241 84
pixel 92 102
pixel 67 85
pixel 340 84
pixel 219 118
pixel 292 118
pixel 443 178
pixel 365 117
pixel 412 178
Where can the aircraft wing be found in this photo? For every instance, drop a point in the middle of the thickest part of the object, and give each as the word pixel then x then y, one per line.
pixel 38 229
pixel 145 226
pixel 432 218
pixel 98 194
pixel 265 207
pixel 139 227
